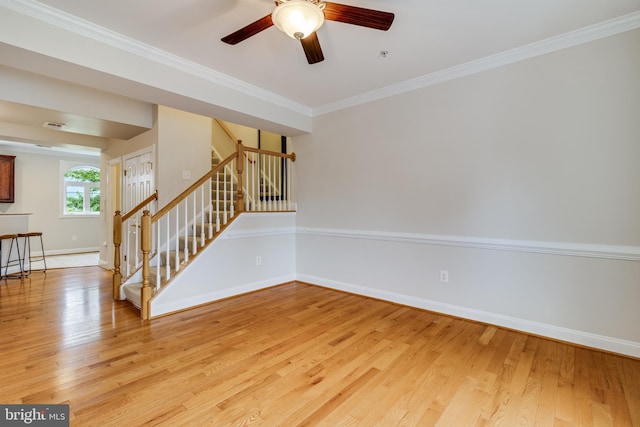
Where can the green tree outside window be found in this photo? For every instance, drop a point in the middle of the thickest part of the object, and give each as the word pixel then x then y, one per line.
pixel 82 190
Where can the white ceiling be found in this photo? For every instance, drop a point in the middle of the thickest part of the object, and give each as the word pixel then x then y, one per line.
pixel 427 37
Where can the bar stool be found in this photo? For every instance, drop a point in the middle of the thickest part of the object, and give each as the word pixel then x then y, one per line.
pixel 8 262
pixel 27 256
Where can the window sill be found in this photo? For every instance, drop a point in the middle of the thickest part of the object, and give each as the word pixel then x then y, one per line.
pixel 73 216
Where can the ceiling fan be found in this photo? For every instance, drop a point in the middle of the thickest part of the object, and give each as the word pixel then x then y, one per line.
pixel 300 19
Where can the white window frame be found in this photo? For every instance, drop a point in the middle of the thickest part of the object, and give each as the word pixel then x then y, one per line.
pixel 66 166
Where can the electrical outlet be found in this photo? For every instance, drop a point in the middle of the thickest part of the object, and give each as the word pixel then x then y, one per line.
pixel 74 237
pixel 258 260
pixel 444 276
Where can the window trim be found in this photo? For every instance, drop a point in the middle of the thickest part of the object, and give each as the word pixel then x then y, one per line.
pixel 66 166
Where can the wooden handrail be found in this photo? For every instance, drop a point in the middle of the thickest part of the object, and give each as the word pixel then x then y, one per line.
pixel 291 156
pixel 213 171
pixel 140 205
pixel 192 187
pixel 226 130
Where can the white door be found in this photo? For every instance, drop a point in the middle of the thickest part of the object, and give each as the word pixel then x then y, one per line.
pixel 137 186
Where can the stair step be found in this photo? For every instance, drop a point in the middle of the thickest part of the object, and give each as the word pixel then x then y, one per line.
pixel 220 207
pixel 189 241
pixel 223 186
pixel 219 194
pixel 172 259
pixel 132 293
pixel 205 229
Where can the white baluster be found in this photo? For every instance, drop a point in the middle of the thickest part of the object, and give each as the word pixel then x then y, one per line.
pixel 186 230
pixel 125 248
pixel 202 215
pixel 177 251
pixel 270 183
pixel 137 241
pixel 217 202
pixel 285 181
pixel 266 187
pixel 280 183
pixel 274 182
pixel 246 179
pixel 193 226
pixel 167 243
pixel 232 168
pixel 210 214
pixel 253 181
pixel 259 182
pixel 289 182
pixel 224 199
pixel 159 254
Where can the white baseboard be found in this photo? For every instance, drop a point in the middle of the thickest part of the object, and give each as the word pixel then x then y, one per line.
pixel 71 251
pixel 587 339
pixel 218 294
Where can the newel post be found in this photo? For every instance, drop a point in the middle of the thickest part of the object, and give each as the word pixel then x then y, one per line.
pixel 145 247
pixel 239 205
pixel 117 241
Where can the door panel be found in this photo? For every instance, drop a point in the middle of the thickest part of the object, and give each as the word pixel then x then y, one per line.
pixel 137 186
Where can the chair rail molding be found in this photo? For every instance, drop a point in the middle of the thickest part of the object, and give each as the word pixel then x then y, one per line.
pixel 590 250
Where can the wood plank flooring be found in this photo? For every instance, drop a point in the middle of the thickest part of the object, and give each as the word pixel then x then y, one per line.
pixel 293 355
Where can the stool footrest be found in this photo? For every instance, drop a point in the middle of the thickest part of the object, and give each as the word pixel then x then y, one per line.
pixel 25 259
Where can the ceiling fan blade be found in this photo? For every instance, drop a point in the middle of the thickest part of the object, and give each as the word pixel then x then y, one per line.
pixel 370 18
pixel 312 49
pixel 248 31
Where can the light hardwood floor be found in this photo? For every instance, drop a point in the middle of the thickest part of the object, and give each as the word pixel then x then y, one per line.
pixel 292 355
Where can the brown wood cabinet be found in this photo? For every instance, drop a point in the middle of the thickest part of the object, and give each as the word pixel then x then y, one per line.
pixel 7 178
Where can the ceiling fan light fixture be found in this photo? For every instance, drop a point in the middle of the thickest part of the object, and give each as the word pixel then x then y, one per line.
pixel 298 18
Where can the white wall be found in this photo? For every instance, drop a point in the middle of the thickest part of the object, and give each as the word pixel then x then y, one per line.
pixel 522 182
pixel 223 144
pixel 38 191
pixel 228 266
pixel 184 144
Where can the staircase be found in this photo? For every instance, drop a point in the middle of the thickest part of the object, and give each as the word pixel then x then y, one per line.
pixel 178 232
pixel 188 245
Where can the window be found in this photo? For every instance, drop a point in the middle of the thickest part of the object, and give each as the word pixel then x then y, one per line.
pixel 81 194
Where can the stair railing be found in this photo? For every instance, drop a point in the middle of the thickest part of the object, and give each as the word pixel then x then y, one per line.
pixel 131 223
pixel 184 226
pixel 269 180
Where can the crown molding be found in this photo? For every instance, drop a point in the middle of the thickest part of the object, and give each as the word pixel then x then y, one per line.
pixel 74 24
pixel 100 34
pixel 573 38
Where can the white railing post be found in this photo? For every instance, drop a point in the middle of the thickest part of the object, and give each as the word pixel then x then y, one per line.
pixel 177 250
pixel 232 197
pixel 186 230
pixel 167 253
pixel 159 255
pixel 217 203
pixel 253 181
pixel 247 205
pixel 194 246
pixel 209 208
pixel 202 216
